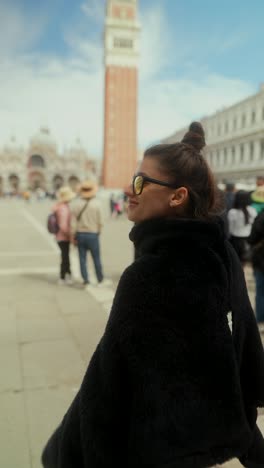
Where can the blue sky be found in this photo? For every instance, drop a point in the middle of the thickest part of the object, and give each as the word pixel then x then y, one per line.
pixel 197 57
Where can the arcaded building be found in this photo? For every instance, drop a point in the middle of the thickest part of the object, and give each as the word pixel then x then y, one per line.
pixel 41 165
pixel 235 140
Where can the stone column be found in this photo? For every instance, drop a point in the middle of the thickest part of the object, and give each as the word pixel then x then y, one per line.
pixel 257 151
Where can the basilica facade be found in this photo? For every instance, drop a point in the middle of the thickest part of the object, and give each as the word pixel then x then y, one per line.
pixel 41 166
pixel 235 140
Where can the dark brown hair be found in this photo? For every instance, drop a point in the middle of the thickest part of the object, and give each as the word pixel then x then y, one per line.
pixel 185 166
pixel 241 202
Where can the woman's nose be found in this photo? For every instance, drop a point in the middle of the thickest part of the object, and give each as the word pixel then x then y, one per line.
pixel 129 190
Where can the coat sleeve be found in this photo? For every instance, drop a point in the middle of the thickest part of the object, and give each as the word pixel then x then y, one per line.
pixel 63 449
pixel 92 433
pixel 255 455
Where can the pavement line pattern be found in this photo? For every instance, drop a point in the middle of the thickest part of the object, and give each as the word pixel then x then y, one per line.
pixel 41 253
pixel 27 271
pixel 40 228
pixel 102 295
pixel 14 226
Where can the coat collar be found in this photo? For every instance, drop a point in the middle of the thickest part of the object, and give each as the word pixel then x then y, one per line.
pixel 168 234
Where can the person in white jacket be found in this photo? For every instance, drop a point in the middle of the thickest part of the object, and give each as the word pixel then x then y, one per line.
pixel 240 220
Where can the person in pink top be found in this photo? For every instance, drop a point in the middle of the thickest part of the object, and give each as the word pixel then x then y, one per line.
pixel 63 236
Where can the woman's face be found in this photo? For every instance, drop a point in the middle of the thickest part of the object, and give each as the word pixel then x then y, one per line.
pixel 155 200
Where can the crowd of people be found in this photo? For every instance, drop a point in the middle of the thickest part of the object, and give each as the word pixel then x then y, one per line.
pixel 178 374
pixel 245 227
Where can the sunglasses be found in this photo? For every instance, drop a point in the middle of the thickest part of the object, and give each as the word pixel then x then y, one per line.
pixel 139 181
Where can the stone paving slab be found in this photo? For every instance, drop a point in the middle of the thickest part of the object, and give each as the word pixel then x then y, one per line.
pixel 49 333
pixel 261 423
pixel 14 444
pixel 11 376
pixel 73 300
pixel 232 464
pixel 87 329
pixel 32 327
pixel 48 363
pixel 44 306
pixel 27 260
pixel 45 410
pixel 102 295
pixel 8 333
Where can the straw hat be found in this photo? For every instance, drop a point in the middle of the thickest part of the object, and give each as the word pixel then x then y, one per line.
pixel 258 195
pixel 88 189
pixel 65 194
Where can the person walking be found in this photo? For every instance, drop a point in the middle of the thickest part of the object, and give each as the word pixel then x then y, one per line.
pixel 63 236
pixel 179 372
pixel 86 228
pixel 240 220
pixel 229 194
pixel 257 198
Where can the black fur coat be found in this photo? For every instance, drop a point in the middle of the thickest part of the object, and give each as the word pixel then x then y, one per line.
pixel 169 385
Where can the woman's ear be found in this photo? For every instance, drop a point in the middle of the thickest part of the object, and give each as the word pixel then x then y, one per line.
pixel 179 197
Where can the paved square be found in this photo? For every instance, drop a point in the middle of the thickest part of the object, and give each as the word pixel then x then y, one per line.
pixel 48 332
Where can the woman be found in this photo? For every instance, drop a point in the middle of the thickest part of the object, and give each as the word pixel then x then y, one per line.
pixel 179 372
pixel 240 220
pixel 63 236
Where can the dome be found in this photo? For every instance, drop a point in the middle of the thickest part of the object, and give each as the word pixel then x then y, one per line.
pixel 43 138
pixel 77 150
pixel 77 146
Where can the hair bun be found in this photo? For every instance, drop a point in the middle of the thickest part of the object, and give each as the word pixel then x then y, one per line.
pixel 195 136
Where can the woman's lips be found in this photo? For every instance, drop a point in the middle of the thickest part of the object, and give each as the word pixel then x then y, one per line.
pixel 132 204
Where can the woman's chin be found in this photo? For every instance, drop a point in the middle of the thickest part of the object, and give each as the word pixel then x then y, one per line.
pixel 131 214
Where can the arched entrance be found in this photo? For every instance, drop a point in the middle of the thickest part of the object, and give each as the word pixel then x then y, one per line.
pixel 36 160
pixel 14 181
pixel 36 177
pixel 73 182
pixel 57 182
pixel 36 180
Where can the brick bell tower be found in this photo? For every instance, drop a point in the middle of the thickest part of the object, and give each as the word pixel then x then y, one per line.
pixel 121 43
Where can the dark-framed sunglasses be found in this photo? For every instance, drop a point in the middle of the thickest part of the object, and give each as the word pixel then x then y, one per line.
pixel 140 179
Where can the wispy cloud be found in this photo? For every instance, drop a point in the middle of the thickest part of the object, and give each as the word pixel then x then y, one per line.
pixel 86 51
pixel 67 93
pixel 167 105
pixel 168 101
pixel 94 9
pixel 156 41
pixel 57 94
pixel 18 31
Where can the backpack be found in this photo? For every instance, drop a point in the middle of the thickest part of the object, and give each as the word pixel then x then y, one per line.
pixel 52 223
